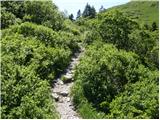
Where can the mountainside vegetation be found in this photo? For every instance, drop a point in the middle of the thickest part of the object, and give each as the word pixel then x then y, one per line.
pixel 35 50
pixel 146 12
pixel 117 75
pixel 116 83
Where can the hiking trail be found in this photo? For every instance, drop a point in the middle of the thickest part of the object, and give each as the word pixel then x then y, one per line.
pixel 61 90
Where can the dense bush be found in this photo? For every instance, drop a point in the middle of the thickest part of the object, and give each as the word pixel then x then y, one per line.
pixel 42 52
pixel 115 28
pixel 107 64
pixel 91 36
pixel 32 57
pixel 39 12
pixel 70 27
pixel 7 19
pixel 14 7
pixel 145 44
pixel 48 59
pixel 25 77
pixel 104 72
pixel 47 35
pixel 84 107
pixel 68 40
pixel 45 13
pixel 24 94
pixel 139 100
pixel 37 45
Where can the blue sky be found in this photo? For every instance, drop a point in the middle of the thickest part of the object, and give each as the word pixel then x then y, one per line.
pixel 72 6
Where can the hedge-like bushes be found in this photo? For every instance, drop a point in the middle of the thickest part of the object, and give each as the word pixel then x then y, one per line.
pixel 46 35
pixel 29 65
pixel 106 72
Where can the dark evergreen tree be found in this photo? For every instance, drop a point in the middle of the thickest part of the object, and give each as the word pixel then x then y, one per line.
pixel 92 12
pixel 71 17
pixel 89 11
pixel 101 8
pixel 86 10
pixel 78 14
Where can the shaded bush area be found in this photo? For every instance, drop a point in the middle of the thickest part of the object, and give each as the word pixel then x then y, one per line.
pixel 118 81
pixel 47 35
pixel 116 28
pixel 7 19
pixel 140 100
pixel 35 50
pixel 39 12
pixel 25 94
pixel 117 77
pixel 104 76
pixel 43 51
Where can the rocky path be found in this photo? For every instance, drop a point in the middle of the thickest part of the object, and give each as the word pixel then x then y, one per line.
pixel 61 90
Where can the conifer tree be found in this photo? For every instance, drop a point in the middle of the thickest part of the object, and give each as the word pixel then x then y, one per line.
pixel 101 8
pixel 78 14
pixel 71 17
pixel 89 11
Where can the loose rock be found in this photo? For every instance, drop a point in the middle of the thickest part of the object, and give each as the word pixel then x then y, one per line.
pixel 60 82
pixel 61 91
pixel 55 96
pixel 68 99
pixel 64 93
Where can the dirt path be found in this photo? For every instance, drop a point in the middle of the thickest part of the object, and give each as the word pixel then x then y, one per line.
pixel 61 91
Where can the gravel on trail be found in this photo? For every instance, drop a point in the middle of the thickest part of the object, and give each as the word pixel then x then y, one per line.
pixel 61 91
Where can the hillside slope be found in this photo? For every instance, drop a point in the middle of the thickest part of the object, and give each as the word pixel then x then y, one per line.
pixel 142 11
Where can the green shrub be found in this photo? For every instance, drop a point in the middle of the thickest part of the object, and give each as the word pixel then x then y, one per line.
pixel 68 40
pixel 69 26
pixel 47 35
pixel 49 61
pixel 91 36
pixel 8 19
pixel 45 13
pixel 14 7
pixel 28 66
pixel 144 43
pixel 39 12
pixel 85 108
pixel 104 73
pixel 139 100
pixel 23 93
pixel 115 27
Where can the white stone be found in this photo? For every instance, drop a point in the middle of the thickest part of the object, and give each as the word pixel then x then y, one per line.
pixel 60 82
pixel 55 96
pixel 68 99
pixel 64 93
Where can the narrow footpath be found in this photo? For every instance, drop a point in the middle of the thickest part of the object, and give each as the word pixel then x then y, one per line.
pixel 61 90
